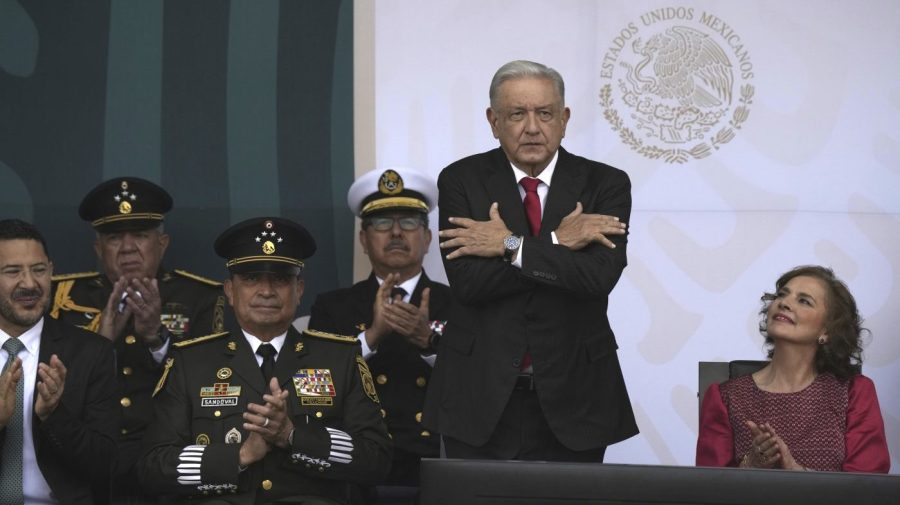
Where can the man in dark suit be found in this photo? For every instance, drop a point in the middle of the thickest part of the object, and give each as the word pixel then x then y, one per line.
pixel 135 303
pixel 58 415
pixel 397 313
pixel 264 414
pixel 536 242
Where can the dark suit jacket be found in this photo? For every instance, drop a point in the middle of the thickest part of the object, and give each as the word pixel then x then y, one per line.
pixel 195 423
pixel 75 445
pixel 554 307
pixel 401 374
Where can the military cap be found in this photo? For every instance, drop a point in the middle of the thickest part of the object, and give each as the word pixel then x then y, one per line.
pixel 265 244
pixel 125 203
pixel 392 189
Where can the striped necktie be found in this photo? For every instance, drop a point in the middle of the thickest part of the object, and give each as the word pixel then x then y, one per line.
pixel 11 469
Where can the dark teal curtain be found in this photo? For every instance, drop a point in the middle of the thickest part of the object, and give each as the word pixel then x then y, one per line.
pixel 237 108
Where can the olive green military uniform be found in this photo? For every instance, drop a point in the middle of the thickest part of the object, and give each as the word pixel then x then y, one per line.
pixel 339 435
pixel 191 306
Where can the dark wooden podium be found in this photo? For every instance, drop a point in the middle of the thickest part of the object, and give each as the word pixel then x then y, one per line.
pixel 478 482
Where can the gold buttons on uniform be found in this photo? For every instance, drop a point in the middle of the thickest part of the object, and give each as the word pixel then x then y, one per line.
pixel 421 382
pixel 130 339
pixel 383 413
pixel 319 415
pixel 267 484
pixel 418 417
pixel 381 379
pixel 425 433
pixel 127 371
pixel 124 431
pixel 217 413
pixel 125 401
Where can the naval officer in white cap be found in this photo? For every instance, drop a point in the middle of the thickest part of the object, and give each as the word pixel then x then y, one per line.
pixel 398 313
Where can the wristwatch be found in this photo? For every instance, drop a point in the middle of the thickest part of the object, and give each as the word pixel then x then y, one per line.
pixel 511 244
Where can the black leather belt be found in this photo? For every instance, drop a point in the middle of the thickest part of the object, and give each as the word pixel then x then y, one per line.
pixel 525 382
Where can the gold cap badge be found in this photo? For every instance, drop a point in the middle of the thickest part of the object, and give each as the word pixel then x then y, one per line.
pixel 390 183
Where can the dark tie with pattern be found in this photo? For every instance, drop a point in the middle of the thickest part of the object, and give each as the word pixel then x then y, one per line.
pixel 268 352
pixel 532 203
pixel 11 468
pixel 397 291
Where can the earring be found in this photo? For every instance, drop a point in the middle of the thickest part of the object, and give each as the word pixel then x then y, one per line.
pixel 822 340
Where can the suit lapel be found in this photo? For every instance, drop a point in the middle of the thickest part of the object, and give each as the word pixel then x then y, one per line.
pixel 364 298
pixel 51 343
pixel 568 179
pixel 416 297
pixel 51 339
pixel 503 188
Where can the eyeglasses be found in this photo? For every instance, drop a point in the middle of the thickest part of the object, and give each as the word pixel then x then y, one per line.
pixel 387 223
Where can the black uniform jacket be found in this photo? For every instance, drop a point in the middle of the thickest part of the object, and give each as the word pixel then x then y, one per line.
pixel 340 437
pixel 401 375
pixel 75 446
pixel 191 306
pixel 554 307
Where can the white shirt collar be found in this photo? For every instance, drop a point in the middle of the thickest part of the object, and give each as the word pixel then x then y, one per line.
pixel 277 342
pixel 409 284
pixel 545 176
pixel 31 338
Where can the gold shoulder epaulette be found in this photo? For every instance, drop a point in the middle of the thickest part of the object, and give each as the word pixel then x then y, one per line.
pixel 78 275
pixel 347 339
pixel 197 340
pixel 198 278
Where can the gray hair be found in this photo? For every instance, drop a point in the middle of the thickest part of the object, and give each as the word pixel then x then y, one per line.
pixel 520 69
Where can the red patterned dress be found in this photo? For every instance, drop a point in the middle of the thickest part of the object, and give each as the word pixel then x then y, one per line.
pixel 831 425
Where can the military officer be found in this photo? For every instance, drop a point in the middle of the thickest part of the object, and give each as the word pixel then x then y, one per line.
pixel 262 413
pixel 134 303
pixel 397 313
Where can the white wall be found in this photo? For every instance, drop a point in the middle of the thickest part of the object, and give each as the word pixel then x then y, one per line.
pixel 811 176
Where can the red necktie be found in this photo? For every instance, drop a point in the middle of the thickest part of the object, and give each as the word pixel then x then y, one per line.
pixel 532 204
pixel 533 213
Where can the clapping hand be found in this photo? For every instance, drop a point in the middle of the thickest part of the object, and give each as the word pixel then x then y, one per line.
pixel 768 449
pixel 52 381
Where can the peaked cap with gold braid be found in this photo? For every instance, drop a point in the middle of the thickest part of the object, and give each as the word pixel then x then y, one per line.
pixel 390 190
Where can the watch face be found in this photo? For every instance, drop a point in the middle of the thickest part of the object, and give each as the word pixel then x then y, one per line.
pixel 512 242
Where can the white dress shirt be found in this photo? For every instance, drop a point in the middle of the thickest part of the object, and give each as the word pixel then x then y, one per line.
pixel 34 487
pixel 277 343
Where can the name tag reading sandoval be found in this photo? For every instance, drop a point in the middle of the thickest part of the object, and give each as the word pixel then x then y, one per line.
pixel 220 394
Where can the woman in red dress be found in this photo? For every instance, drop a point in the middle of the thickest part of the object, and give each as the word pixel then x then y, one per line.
pixel 809 408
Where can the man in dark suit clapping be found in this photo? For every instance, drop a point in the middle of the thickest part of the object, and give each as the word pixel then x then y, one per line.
pixel 58 412
pixel 535 241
